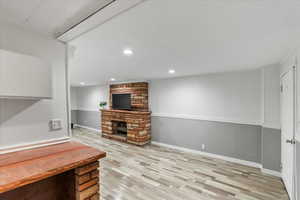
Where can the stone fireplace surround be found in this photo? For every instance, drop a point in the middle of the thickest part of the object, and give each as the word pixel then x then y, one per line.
pixel 138 120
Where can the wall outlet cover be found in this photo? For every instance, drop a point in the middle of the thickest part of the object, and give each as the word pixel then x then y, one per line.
pixel 55 124
pixel 203 147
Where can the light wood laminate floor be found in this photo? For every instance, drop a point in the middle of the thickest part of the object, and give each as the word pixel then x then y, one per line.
pixel 156 173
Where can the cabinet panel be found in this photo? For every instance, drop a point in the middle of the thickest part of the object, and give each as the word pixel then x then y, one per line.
pixel 24 76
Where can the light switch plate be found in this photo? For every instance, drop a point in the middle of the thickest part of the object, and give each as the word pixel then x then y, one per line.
pixel 55 124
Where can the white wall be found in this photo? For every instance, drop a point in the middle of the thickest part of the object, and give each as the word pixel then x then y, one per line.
pixel 250 97
pixel 271 96
pixel 230 96
pixel 88 98
pixel 27 121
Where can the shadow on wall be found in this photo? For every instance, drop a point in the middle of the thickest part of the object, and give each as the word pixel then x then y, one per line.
pixel 10 108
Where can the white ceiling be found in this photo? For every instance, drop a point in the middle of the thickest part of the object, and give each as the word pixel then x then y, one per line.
pixel 48 17
pixel 190 36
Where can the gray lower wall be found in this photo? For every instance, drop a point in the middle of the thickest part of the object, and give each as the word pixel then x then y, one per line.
pixel 227 139
pixel 298 168
pixel 271 149
pixel 74 116
pixel 245 142
pixel 90 119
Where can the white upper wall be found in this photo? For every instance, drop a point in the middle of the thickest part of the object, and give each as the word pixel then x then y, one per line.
pixel 231 96
pixel 27 121
pixel 271 96
pixel 88 98
pixel 249 97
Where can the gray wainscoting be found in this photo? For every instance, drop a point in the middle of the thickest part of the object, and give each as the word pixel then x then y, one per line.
pixel 246 142
pixel 91 119
pixel 74 116
pixel 298 167
pixel 227 139
pixel 271 149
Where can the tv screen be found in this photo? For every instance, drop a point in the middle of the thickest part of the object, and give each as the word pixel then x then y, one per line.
pixel 121 101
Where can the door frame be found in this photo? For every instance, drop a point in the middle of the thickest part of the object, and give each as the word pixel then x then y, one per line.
pixel 294 178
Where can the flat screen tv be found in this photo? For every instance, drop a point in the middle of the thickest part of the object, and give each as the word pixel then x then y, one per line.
pixel 121 101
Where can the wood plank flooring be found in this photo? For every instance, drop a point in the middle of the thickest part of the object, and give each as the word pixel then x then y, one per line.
pixel 157 173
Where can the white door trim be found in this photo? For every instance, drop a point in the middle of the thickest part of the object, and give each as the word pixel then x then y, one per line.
pixel 293 69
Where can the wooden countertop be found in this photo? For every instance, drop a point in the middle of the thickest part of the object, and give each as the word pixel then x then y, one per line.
pixel 24 167
pixel 128 111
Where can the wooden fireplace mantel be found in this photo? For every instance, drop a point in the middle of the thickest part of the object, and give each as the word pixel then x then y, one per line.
pixel 127 111
pixel 52 172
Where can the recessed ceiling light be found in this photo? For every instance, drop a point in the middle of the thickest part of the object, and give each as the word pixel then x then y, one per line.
pixel 112 79
pixel 82 83
pixel 127 52
pixel 171 71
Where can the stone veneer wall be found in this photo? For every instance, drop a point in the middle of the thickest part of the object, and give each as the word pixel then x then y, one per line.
pixel 138 91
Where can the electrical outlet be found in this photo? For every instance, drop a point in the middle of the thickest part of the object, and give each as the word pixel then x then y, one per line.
pixel 203 147
pixel 55 124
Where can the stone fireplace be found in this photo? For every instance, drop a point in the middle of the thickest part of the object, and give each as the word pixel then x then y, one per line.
pixel 126 126
pixel 132 126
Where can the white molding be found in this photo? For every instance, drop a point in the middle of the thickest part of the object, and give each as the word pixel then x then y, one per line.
pixel 27 146
pixel 271 125
pixel 205 118
pixel 88 110
pixel 89 128
pixel 226 158
pixel 271 172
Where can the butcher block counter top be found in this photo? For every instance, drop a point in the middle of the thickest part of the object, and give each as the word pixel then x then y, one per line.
pixel 22 168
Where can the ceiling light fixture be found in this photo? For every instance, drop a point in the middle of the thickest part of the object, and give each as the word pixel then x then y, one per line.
pixel 171 71
pixel 112 79
pixel 82 83
pixel 127 52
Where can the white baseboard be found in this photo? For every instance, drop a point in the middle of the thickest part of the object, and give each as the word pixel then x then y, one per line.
pixel 33 145
pixel 89 128
pixel 230 159
pixel 271 172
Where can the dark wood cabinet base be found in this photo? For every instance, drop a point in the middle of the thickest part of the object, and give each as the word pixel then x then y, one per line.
pixel 75 177
pixel 81 183
pixel 61 186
